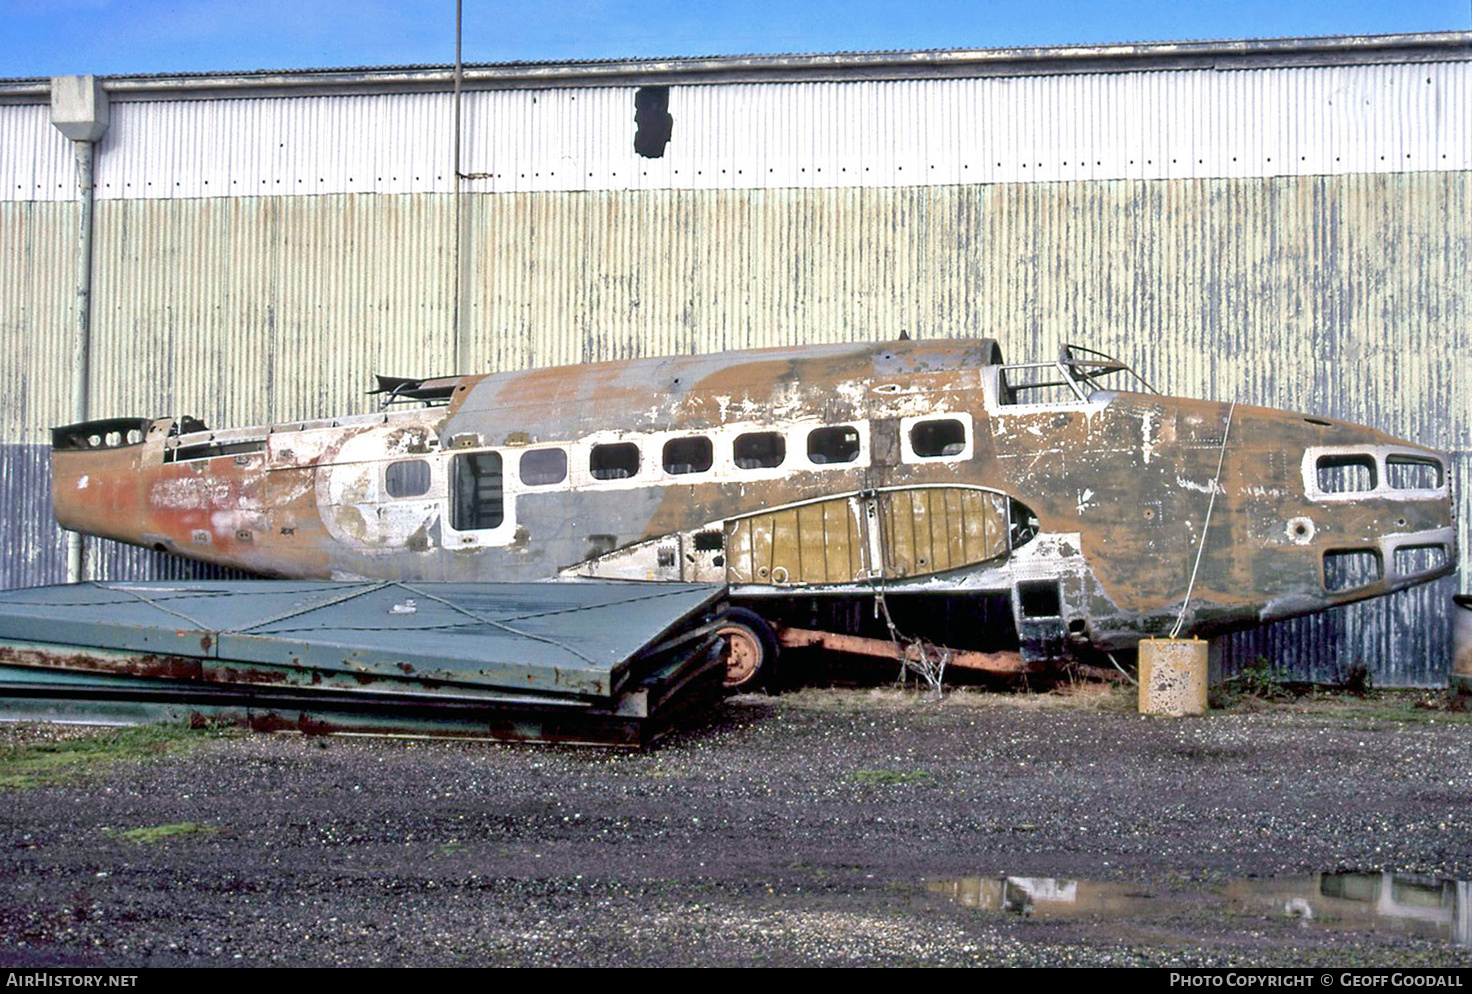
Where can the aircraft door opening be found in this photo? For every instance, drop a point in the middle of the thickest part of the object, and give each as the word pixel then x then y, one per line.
pixel 890 534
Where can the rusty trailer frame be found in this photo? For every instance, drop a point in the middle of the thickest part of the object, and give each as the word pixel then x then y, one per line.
pixel 601 663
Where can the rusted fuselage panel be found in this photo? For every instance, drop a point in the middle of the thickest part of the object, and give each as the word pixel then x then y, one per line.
pixel 907 456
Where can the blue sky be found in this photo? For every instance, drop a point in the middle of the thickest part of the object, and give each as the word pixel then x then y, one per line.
pixel 55 37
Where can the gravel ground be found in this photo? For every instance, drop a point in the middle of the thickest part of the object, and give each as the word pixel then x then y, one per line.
pixel 818 827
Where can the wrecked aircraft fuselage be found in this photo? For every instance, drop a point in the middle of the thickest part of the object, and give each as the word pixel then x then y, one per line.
pixel 826 471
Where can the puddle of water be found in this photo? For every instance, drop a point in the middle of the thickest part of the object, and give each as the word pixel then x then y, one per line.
pixel 1428 907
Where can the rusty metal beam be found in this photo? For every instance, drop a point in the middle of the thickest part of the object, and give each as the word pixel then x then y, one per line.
pixel 986 662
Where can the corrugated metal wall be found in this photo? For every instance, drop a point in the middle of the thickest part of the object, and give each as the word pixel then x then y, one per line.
pixel 37 318
pixel 1342 291
pixel 1084 126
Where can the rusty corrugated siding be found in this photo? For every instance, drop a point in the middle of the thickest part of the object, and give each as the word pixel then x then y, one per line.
pixel 37 319
pixel 1343 295
pixel 247 311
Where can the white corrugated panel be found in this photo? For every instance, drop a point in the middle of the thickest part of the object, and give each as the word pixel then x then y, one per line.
pixel 36 162
pixel 277 147
pixel 1098 126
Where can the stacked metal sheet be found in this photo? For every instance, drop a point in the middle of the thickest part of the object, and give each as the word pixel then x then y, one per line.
pixel 596 662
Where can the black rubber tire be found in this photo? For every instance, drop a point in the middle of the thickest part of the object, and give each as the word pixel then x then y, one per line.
pixel 753 652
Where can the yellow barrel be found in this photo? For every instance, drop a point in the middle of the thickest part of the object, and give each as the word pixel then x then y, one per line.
pixel 1173 675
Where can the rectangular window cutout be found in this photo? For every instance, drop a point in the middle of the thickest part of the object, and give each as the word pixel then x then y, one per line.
pixel 833 445
pixel 1346 569
pixel 1036 385
pixel 1413 559
pixel 408 478
pixel 541 467
pixel 688 455
pixel 1040 599
pixel 759 450
pixel 478 501
pixel 1410 473
pixel 213 450
pixel 616 461
pixel 711 541
pixel 1347 474
pixel 934 439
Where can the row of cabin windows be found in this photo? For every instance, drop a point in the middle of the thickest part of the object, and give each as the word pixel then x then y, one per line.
pixel 477 478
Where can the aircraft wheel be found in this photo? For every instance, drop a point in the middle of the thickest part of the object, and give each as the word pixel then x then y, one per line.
pixel 753 649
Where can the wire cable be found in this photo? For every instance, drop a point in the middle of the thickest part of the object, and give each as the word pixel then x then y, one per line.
pixel 1201 545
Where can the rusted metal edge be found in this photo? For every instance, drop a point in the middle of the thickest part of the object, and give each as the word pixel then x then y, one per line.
pixel 696 684
pixel 934 63
pixel 109 663
pixel 966 659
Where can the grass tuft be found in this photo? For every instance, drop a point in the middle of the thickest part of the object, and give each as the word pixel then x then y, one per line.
pixel 60 754
pixel 149 834
pixel 889 776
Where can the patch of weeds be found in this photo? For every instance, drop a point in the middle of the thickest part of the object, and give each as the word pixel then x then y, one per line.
pixel 1452 702
pixel 889 776
pixel 1357 680
pixel 1405 707
pixel 1399 706
pixel 149 834
pixel 1264 680
pixel 56 759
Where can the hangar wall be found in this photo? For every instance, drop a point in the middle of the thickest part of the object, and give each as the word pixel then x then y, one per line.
pixel 1339 292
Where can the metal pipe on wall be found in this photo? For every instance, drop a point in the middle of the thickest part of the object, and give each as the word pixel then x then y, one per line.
pixel 79 110
pixel 458 348
pixel 82 340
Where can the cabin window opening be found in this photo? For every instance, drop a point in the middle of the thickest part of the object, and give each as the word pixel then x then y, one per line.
pixel 935 439
pixel 1040 599
pixel 1345 569
pixel 759 450
pixel 543 467
pixel 1410 473
pixel 710 541
pixel 833 445
pixel 688 455
pixel 407 478
pixel 1413 559
pixel 615 461
pixel 479 501
pixel 1346 474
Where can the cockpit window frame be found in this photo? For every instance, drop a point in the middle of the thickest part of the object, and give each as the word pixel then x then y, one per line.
pixel 1077 368
pixel 1381 455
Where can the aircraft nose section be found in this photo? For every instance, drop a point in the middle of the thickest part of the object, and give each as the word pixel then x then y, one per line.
pixel 1381 513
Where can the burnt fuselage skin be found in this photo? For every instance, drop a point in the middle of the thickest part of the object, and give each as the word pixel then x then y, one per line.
pixel 1119 484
